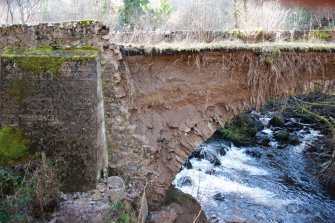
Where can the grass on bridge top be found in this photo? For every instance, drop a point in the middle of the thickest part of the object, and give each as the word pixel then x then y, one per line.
pixel 180 47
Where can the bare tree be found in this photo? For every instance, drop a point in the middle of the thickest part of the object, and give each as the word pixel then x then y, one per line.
pixel 20 10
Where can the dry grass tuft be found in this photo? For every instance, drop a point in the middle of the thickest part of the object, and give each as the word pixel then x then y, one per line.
pixel 275 69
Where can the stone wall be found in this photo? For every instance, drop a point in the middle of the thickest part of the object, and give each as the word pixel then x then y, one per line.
pixel 56 97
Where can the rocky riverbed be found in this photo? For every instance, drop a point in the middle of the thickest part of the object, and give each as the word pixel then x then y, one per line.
pixel 271 172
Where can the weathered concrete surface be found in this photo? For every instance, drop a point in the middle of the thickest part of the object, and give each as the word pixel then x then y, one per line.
pixel 172 103
pixel 61 109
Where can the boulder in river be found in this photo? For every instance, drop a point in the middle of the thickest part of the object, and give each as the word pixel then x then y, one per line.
pixel 222 150
pixel 219 197
pixel 281 135
pixel 199 154
pixel 212 158
pixel 263 141
pixel 188 165
pixel 184 181
pixel 277 121
pixel 293 139
pixel 253 153
pixel 207 155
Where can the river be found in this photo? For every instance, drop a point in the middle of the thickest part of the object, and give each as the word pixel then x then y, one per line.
pixel 256 183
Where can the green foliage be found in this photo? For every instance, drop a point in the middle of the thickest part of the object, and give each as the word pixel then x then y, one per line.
pixel 120 211
pixel 45 59
pixel 9 180
pixel 241 131
pixel 33 193
pixel 160 14
pixel 14 145
pixel 322 35
pixel 132 10
pixel 299 19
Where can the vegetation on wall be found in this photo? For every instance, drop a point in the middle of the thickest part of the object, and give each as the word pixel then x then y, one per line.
pixel 29 188
pixel 14 145
pixel 45 59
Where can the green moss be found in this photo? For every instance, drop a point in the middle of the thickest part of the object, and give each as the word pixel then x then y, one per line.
pixel 46 59
pixel 83 23
pixel 241 131
pixel 14 145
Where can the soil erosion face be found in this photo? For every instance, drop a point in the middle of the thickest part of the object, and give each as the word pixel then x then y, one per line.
pixel 179 100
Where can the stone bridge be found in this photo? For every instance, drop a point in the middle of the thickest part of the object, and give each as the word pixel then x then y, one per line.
pixel 140 112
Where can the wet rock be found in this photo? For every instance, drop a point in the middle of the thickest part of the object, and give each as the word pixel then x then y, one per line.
pixel 184 181
pixel 188 165
pixel 288 180
pixel 210 172
pixel 219 197
pixel 270 156
pixel 310 148
pixel 214 220
pixel 259 125
pixel 277 121
pixel 281 135
pixel 212 158
pixel 263 141
pixel 281 147
pixel 293 139
pixel 294 125
pixel 199 154
pixel 252 153
pixel 222 151
pixel 168 215
pixel 207 155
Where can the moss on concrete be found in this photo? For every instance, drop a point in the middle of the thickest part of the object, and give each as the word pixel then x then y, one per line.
pixel 46 59
pixel 14 145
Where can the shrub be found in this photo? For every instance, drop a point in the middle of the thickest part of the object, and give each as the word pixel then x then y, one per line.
pixel 9 180
pixel 34 196
pixel 121 212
